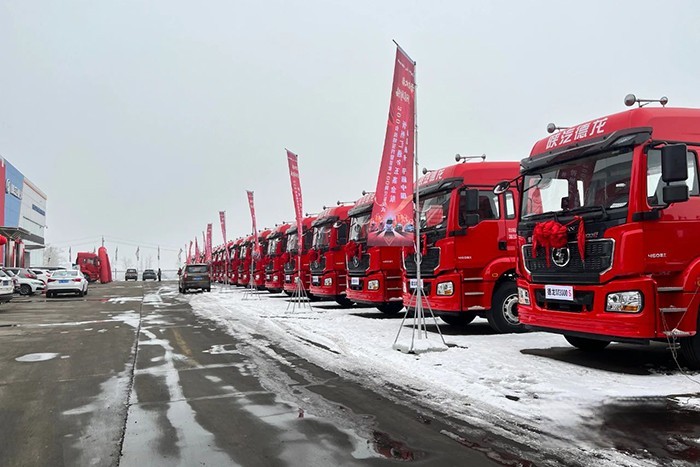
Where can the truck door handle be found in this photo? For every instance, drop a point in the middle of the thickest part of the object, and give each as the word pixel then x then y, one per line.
pixel 502 245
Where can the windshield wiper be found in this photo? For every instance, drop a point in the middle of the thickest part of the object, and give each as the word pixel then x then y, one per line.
pixel 582 209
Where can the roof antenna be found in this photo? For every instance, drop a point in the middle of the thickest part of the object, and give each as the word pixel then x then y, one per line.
pixel 460 158
pixel 631 99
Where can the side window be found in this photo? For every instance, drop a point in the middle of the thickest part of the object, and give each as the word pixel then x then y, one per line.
pixel 510 205
pixel 654 183
pixel 488 205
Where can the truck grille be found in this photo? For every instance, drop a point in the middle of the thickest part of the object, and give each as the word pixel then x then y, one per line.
pixel 358 266
pixel 289 267
pixel 270 267
pixel 430 261
pixel 598 259
pixel 317 267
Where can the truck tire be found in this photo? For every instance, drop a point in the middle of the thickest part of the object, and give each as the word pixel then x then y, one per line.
pixel 458 319
pixel 390 308
pixel 344 301
pixel 586 344
pixel 690 349
pixel 503 316
pixel 25 289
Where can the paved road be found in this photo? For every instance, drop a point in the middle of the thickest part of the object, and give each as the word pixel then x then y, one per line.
pixel 129 376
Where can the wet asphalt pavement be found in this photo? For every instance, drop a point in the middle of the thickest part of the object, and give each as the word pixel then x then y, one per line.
pixel 129 376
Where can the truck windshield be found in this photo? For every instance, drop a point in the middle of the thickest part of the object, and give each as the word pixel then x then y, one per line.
pixel 358 227
pixel 601 181
pixel 434 210
pixel 293 242
pixel 322 236
pixel 272 245
pixel 244 252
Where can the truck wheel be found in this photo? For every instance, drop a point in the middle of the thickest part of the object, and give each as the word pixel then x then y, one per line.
pixel 458 319
pixel 344 301
pixel 690 349
pixel 25 289
pixel 503 316
pixel 390 308
pixel 586 344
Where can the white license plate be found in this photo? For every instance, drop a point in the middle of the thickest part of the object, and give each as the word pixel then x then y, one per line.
pixel 317 278
pixel 559 292
pixel 413 283
pixel 288 277
pixel 354 281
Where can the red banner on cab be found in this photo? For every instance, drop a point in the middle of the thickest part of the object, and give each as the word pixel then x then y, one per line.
pixel 196 250
pixel 292 160
pixel 222 219
pixel 392 221
pixel 189 253
pixel 209 243
pixel 251 203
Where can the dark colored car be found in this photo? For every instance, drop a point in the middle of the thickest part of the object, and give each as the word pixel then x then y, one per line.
pixel 149 274
pixel 131 274
pixel 195 276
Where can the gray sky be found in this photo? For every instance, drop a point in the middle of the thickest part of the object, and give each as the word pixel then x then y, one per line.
pixel 141 120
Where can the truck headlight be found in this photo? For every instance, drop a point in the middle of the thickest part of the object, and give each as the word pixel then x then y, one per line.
pixel 624 302
pixel 328 281
pixel 275 278
pixel 373 285
pixel 445 288
pixel 523 296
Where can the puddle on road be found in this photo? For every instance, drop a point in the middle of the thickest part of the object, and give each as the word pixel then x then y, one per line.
pixel 37 357
pixel 655 428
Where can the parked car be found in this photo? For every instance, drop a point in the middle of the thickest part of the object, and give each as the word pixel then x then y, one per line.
pixel 27 282
pixel 195 276
pixel 67 281
pixel 131 274
pixel 149 274
pixel 15 281
pixel 41 274
pixel 7 287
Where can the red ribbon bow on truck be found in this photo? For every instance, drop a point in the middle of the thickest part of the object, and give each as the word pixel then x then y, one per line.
pixel 552 234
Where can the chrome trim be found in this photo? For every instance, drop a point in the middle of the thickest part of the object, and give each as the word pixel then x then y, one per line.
pixel 473 293
pixel 673 310
pixel 669 289
pixel 476 308
pixel 466 279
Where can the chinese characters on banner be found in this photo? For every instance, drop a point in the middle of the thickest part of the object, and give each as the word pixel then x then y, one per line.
pixel 209 246
pixel 292 159
pixel 222 219
pixel 251 203
pixel 392 213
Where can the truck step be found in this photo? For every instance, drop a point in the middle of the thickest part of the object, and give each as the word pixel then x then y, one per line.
pixel 675 332
pixel 672 309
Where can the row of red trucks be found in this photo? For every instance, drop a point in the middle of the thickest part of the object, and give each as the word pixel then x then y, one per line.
pixel 593 236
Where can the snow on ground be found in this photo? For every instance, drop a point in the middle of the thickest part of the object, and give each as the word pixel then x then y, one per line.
pixel 499 382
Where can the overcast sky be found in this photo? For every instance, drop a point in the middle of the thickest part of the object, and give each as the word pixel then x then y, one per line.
pixel 141 120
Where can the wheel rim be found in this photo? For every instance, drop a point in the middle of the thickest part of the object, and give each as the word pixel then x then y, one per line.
pixel 510 310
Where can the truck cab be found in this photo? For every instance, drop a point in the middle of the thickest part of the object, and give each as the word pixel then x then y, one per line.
pixel 327 256
pixel 622 190
pixel 235 252
pixel 468 245
pixel 291 267
pixel 277 255
pixel 375 273
pixel 260 259
pixel 245 259
pixel 89 264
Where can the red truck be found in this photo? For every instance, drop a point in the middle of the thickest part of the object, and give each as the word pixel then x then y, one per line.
pixel 327 255
pixel 291 271
pixel 89 264
pixel 375 273
pixel 245 255
pixel 277 255
pixel 608 232
pixel 235 252
pixel 256 258
pixel 217 265
pixel 468 243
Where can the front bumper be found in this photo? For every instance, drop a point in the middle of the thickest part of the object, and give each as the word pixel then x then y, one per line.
pixel 587 315
pixel 274 282
pixel 335 289
pixel 438 303
pixel 388 291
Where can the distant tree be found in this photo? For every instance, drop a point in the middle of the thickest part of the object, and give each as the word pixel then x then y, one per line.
pixel 127 263
pixel 53 256
pixel 149 262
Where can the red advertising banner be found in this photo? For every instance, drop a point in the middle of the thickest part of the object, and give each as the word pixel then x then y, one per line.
pixel 251 204
pixel 189 253
pixel 222 219
pixel 392 215
pixel 293 161
pixel 209 245
pixel 196 251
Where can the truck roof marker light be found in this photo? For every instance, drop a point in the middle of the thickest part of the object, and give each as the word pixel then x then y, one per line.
pixel 366 192
pixel 551 128
pixel 426 170
pixel 460 158
pixel 631 99
pixel 345 203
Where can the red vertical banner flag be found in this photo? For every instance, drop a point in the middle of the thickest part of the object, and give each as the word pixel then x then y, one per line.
pixel 196 250
pixel 393 198
pixel 222 219
pixel 209 245
pixel 189 253
pixel 293 161
pixel 251 204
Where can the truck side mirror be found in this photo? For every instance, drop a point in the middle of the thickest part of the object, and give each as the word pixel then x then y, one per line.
pixel 674 163
pixel 501 187
pixel 675 193
pixel 469 200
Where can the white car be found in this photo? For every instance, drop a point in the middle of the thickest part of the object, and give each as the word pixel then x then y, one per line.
pixel 41 274
pixel 27 285
pixel 7 287
pixel 67 281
